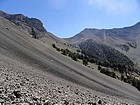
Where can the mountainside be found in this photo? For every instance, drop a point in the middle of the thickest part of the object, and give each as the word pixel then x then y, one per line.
pixel 33 26
pixel 25 22
pixel 125 40
pixel 33 72
pixel 104 53
pixel 126 33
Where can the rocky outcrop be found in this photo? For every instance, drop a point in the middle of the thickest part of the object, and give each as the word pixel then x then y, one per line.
pixel 26 23
pixel 32 26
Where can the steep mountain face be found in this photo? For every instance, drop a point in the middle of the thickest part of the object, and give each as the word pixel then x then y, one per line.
pixel 25 23
pixel 32 26
pixel 125 40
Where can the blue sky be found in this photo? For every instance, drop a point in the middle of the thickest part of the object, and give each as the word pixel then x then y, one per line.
pixel 65 18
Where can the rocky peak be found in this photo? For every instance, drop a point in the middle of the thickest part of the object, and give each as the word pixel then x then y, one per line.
pixel 15 17
pixel 2 13
pixel 25 22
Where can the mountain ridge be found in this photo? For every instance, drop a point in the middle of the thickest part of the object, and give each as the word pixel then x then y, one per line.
pixel 125 40
pixel 32 22
pixel 32 26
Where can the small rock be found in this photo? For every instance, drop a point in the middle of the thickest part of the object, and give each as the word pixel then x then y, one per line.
pixel 17 94
pixel 99 102
pixel 66 102
pixel 91 103
pixel 47 102
pixel 76 91
pixel 59 91
pixel 35 99
pixel 12 97
pixel 1 100
pixel 30 103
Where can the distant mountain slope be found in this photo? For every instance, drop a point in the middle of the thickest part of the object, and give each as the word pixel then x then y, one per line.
pixel 126 33
pixel 125 40
pixel 104 53
pixel 17 45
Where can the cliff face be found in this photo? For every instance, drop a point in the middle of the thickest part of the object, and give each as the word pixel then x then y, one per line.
pixel 32 26
pixel 26 23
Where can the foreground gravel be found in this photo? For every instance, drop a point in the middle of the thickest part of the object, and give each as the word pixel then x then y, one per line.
pixel 21 84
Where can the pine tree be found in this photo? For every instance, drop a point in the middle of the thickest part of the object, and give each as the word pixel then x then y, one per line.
pixel 85 62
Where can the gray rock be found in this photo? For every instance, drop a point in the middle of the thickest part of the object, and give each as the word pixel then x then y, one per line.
pixel 92 103
pixel 47 102
pixel 17 93
pixel 99 102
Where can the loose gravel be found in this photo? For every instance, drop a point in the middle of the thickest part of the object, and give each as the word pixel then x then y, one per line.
pixel 24 85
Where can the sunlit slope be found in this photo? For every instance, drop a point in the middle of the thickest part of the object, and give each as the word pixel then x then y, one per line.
pixel 126 40
pixel 18 45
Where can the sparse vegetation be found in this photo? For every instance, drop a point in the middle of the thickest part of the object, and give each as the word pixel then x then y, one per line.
pixel 106 71
pixel 67 52
pixel 74 56
pixel 132 44
pixel 104 55
pixel 131 80
pixel 54 46
pixel 64 52
pixel 106 67
pixel 85 62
